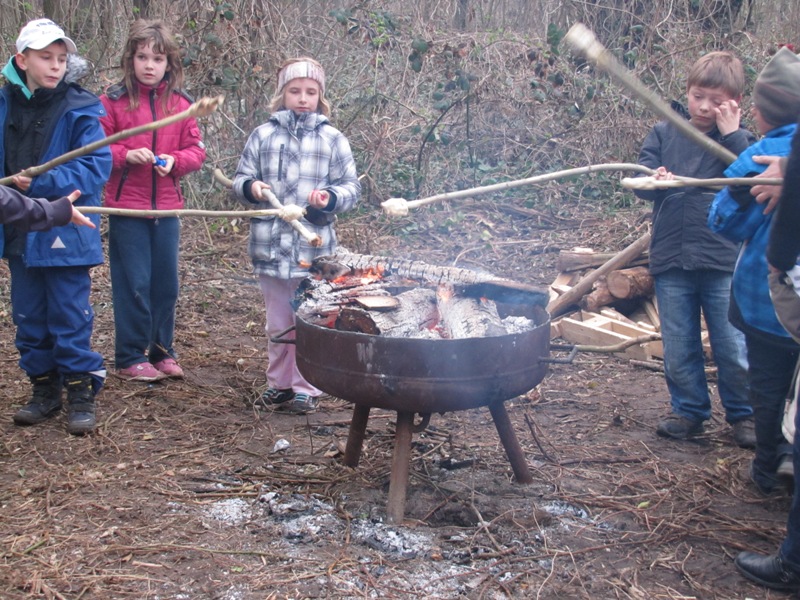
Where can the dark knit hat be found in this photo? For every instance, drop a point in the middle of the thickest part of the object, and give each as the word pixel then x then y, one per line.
pixel 777 90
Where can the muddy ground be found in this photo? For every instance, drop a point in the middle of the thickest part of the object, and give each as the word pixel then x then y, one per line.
pixel 183 491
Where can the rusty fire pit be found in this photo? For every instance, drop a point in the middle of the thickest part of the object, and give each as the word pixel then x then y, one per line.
pixel 421 376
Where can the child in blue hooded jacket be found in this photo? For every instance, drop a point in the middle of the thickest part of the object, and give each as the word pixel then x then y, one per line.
pixel 735 214
pixel 44 116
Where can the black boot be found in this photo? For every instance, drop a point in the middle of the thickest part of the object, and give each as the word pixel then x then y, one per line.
pixel 45 401
pixel 768 570
pixel 80 396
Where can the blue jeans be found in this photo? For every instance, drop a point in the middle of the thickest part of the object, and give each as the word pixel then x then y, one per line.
pixel 143 256
pixel 772 362
pixel 790 548
pixel 681 295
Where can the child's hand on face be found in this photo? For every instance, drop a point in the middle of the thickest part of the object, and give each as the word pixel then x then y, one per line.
pixel 140 156
pixel 728 116
pixel 168 162
pixel 662 174
pixel 319 198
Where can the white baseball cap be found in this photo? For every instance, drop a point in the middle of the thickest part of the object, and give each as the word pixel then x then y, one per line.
pixel 40 34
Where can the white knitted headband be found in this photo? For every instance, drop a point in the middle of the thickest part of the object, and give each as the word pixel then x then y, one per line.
pixel 302 69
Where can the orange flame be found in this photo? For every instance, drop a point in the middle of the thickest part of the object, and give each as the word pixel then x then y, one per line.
pixel 372 274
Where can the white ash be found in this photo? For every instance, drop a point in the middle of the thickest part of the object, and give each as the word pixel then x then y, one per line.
pixel 388 540
pixel 518 324
pixel 233 511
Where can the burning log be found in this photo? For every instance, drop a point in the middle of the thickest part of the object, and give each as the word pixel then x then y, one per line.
pixel 462 317
pixel 465 282
pixel 414 317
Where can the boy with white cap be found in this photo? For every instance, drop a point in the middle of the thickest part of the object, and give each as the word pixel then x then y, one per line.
pixel 43 115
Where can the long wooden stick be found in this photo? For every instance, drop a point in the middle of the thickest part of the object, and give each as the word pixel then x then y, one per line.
pixel 649 183
pixel 309 236
pixel 182 212
pixel 563 302
pixel 583 42
pixel 201 108
pixel 400 206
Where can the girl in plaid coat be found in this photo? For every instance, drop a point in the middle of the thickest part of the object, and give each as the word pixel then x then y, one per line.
pixel 306 162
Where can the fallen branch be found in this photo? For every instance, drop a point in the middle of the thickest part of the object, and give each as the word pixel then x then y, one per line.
pixel 623 345
pixel 650 183
pixel 583 41
pixel 201 108
pixel 399 207
pixel 310 237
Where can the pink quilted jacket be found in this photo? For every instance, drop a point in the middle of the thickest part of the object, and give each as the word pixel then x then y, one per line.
pixel 139 186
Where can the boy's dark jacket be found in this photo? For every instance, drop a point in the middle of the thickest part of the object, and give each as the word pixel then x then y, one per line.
pixel 681 239
pixel 77 124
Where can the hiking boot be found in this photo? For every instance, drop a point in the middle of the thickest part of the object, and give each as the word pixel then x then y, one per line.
pixel 679 428
pixel 80 398
pixel 170 368
pixel 274 396
pixel 302 404
pixel 744 433
pixel 142 371
pixel 45 401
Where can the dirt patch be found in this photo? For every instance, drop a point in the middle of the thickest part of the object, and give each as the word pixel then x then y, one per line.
pixel 186 491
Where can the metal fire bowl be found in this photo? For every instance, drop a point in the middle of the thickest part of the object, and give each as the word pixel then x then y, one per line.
pixel 423 376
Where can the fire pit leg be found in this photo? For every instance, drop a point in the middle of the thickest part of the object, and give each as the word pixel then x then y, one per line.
pixel 513 450
pixel 355 438
pixel 398 480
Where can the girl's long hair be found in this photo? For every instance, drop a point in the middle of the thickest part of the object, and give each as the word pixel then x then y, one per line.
pixel 144 32
pixel 276 103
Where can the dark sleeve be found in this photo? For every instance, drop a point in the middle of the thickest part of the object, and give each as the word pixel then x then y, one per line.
pixel 784 239
pixel 32 214
pixel 650 156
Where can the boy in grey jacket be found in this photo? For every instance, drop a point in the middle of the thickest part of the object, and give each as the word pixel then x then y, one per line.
pixel 691 265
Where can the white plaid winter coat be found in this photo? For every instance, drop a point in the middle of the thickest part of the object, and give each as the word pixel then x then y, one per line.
pixel 295 154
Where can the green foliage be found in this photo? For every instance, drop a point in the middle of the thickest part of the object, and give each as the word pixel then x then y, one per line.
pixel 554 36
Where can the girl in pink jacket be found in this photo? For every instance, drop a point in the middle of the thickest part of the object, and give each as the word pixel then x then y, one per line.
pixel 143 251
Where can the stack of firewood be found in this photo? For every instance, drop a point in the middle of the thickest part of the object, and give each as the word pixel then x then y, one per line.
pixel 614 306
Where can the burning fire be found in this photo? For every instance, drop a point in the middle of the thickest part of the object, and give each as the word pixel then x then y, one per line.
pixel 367 276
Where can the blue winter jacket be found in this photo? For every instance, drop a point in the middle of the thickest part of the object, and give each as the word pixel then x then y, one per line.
pixel 78 124
pixel 738 217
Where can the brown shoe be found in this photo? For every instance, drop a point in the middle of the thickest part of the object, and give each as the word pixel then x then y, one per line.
pixel 678 427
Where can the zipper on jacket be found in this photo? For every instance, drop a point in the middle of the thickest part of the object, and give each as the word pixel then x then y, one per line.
pixel 280 162
pixel 122 181
pixel 153 202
